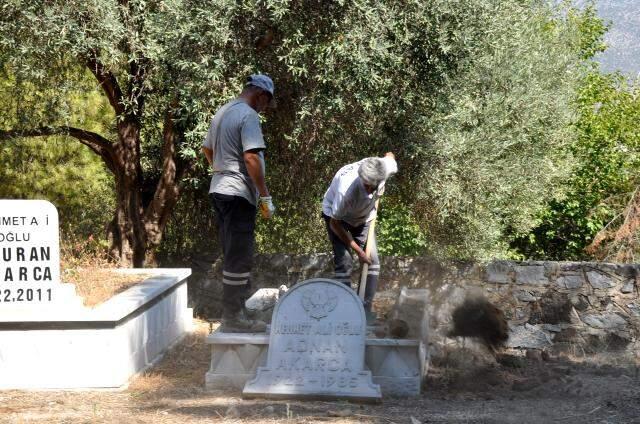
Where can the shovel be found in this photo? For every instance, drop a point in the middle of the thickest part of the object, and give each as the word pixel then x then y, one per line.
pixel 362 285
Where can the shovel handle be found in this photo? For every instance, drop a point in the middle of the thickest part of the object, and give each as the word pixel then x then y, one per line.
pixel 367 250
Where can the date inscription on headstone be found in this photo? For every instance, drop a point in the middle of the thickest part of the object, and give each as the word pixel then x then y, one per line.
pixel 29 253
pixel 316 346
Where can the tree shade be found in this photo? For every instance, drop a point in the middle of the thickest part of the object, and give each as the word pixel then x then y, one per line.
pixel 473 96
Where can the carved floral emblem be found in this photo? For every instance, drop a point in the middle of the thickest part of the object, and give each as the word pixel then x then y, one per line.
pixel 318 303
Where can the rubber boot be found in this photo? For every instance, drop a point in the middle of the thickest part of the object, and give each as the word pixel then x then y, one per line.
pixel 240 323
pixel 370 316
pixel 234 316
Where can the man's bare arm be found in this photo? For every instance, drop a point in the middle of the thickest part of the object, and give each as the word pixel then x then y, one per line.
pixel 346 238
pixel 254 168
pixel 208 153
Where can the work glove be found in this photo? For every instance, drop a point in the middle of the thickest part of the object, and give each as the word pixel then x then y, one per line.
pixel 266 207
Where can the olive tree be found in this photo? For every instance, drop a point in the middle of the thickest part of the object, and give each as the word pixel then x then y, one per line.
pixel 160 76
pixel 473 96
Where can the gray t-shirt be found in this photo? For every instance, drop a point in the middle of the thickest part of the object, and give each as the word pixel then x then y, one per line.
pixel 234 129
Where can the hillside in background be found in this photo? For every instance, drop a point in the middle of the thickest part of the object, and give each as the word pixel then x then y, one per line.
pixel 623 37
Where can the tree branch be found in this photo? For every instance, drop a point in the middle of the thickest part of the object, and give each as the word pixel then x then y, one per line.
pixel 108 82
pixel 137 73
pixel 134 87
pixel 621 242
pixel 97 143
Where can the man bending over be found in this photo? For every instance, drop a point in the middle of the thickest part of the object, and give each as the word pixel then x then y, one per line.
pixel 348 207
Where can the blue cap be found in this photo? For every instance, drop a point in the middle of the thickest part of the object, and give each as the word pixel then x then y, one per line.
pixel 261 81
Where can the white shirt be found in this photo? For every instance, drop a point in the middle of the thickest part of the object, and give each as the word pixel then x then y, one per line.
pixel 347 199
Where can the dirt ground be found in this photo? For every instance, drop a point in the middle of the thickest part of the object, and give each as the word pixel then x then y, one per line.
pixel 459 390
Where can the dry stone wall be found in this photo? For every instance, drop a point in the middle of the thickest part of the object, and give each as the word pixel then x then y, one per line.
pixel 580 308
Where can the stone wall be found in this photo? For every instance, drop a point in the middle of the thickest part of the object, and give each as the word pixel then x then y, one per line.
pixel 580 308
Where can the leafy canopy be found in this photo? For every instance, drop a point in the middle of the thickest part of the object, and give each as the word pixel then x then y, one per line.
pixel 473 96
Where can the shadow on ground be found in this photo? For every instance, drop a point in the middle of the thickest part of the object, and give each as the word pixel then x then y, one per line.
pixel 464 387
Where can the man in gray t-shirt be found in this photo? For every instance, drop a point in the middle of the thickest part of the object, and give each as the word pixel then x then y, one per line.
pixel 234 148
pixel 238 133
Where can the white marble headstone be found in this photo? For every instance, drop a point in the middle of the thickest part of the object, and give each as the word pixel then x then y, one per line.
pixel 316 346
pixel 30 257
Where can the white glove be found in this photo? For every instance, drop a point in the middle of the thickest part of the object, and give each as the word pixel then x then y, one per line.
pixel 266 207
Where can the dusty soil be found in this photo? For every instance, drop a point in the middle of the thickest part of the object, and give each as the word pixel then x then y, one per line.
pixel 460 389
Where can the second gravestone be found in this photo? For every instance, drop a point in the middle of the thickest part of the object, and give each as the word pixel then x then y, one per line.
pixel 316 346
pixel 30 261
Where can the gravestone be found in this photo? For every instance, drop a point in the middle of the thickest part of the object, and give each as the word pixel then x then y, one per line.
pixel 30 260
pixel 316 346
pixel 49 340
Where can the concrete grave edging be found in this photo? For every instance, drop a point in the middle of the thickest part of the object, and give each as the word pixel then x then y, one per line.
pixel 397 365
pixel 101 347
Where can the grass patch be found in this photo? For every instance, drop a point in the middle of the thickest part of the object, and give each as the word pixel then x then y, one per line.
pixel 95 277
pixel 97 285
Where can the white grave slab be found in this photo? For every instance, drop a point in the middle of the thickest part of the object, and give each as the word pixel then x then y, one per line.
pixel 48 339
pixel 316 346
pixel 30 260
pixel 99 347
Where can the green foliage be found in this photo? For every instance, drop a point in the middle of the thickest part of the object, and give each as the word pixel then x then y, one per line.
pixel 497 146
pixel 473 96
pixel 59 169
pixel 608 151
pixel 591 30
pixel 398 233
pixel 289 227
pixel 66 174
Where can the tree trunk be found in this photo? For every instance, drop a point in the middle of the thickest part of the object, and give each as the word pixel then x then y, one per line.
pixel 137 228
pixel 138 222
pixel 127 242
pixel 167 189
pixel 127 232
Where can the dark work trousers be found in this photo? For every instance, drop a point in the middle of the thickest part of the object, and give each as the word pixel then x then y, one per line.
pixel 236 219
pixel 343 264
